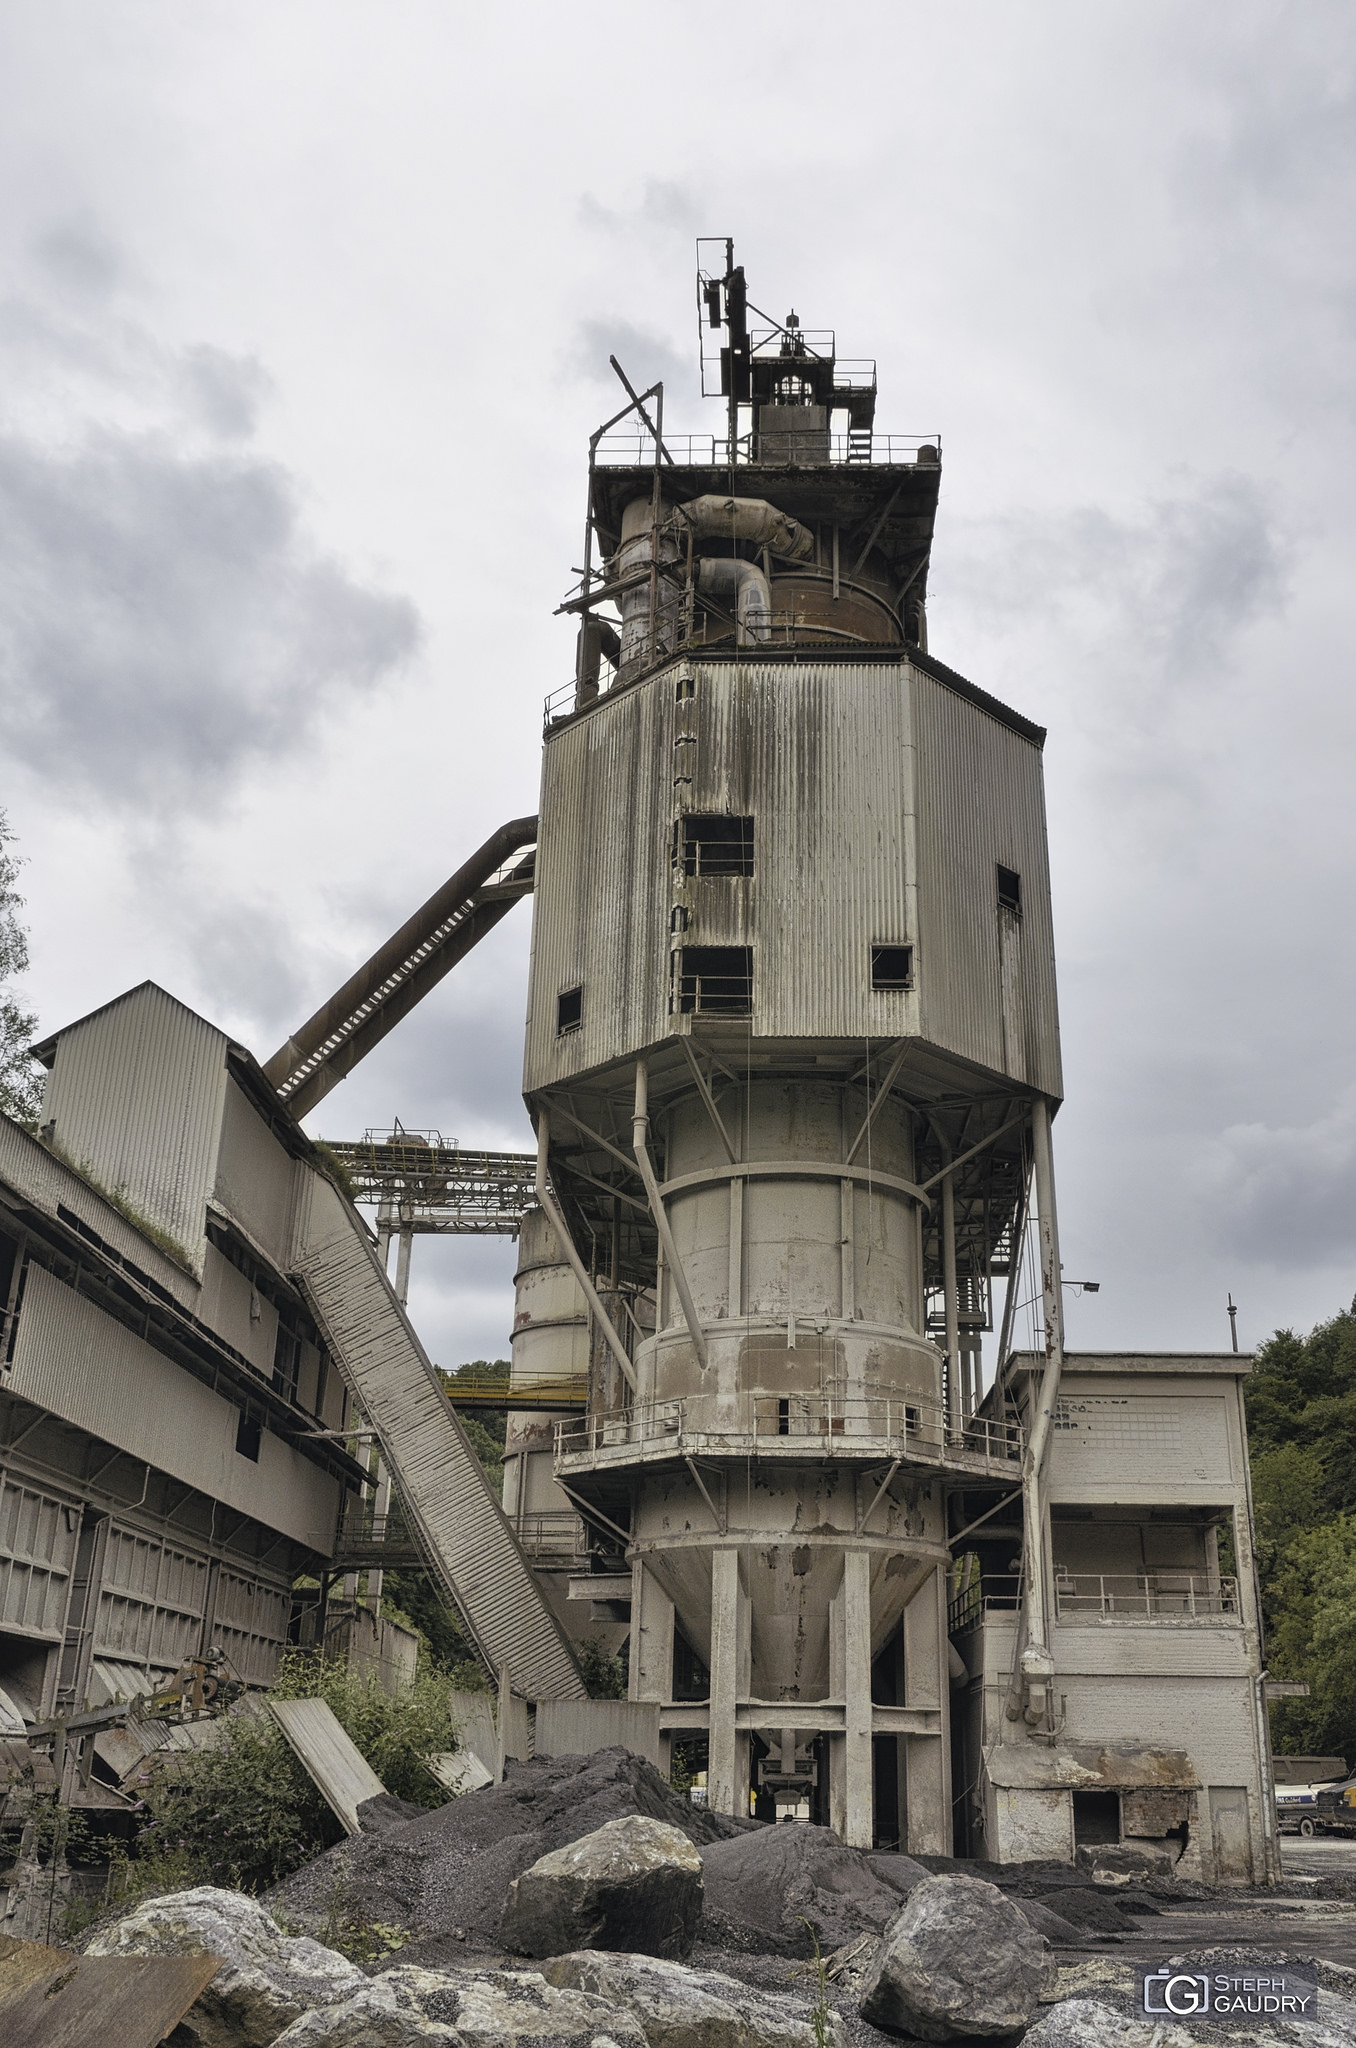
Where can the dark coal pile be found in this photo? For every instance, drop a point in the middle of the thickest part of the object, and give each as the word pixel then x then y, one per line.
pixel 443 1877
pixel 763 1888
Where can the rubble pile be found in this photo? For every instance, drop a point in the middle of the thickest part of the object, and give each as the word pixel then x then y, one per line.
pixel 583 1904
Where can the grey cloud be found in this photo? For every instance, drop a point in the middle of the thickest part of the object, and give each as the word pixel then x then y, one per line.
pixel 80 258
pixel 227 391
pixel 1183 577
pixel 163 619
pixel 1283 1195
pixel 646 357
pixel 662 206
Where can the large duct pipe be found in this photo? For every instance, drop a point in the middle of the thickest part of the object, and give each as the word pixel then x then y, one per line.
pixel 752 519
pixel 645 637
pixel 748 586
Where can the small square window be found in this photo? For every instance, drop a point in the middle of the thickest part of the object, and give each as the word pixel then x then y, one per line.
pixel 569 1010
pixel 892 967
pixel 248 1435
pixel 712 843
pixel 686 688
pixel 713 981
pixel 1009 890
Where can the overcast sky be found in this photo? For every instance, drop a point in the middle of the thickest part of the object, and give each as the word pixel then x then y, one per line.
pixel 304 323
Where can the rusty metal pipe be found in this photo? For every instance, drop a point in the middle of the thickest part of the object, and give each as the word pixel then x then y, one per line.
pixel 342 1006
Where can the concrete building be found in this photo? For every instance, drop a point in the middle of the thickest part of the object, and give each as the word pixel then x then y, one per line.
pixel 1160 1738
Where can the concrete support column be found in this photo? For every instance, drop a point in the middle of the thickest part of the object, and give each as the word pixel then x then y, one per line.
pixel 928 1762
pixel 651 1637
pixel 403 1249
pixel 858 1820
pixel 728 1762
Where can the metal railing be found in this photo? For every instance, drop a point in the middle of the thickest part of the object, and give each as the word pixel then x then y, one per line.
pixel 713 995
pixel 910 1425
pixel 554 1533
pixel 1110 1596
pixel 625 448
pixel 1129 1596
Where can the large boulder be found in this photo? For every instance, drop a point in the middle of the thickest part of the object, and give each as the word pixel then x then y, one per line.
pixel 776 1887
pixel 1087 2023
pixel 451 1868
pixel 268 1978
pixel 405 2006
pixel 633 1884
pixel 680 2007
pixel 958 1962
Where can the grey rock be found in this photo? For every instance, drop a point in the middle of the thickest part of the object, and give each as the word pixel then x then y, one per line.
pixel 268 1978
pixel 1087 2023
pixel 777 1879
pixel 957 1962
pixel 633 1884
pixel 375 2017
pixel 680 2007
pixel 453 1865
pixel 514 2009
pixel 898 1870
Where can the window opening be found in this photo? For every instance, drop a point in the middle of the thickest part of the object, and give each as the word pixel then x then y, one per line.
pixel 892 967
pixel 678 919
pixel 1009 890
pixel 286 1362
pixel 1097 1817
pixel 247 1438
pixel 686 688
pixel 713 981
pixel 569 1010
pixel 713 844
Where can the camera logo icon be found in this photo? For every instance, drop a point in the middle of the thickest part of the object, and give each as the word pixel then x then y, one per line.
pixel 1176 1994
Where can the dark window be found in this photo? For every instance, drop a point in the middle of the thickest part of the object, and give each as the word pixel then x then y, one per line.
pixel 892 967
pixel 711 844
pixel 713 981
pixel 286 1361
pixel 1097 1817
pixel 686 688
pixel 247 1436
pixel 1009 890
pixel 569 1010
pixel 678 918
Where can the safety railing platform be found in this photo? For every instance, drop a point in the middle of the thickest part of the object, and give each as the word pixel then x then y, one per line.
pixel 788 1429
pixel 625 448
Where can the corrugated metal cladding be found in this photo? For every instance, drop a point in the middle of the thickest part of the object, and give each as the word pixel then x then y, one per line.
pixel 31 1170
pixel 38 1535
pixel 71 1358
pixel 820 755
pixel 600 907
pixel 981 804
pixel 254 1175
pixel 136 1094
pixel 250 1624
pixel 151 1601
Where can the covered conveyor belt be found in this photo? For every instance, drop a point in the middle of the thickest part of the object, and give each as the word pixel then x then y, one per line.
pixel 448 1500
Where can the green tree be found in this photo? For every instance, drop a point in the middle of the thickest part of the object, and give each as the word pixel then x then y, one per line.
pixel 20 1079
pixel 1302 1439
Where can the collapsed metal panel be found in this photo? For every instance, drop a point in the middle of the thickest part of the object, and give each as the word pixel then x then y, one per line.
pixel 448 1500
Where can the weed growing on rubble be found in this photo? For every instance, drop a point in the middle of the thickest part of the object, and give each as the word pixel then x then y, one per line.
pixel 244 1813
pixel 821 2012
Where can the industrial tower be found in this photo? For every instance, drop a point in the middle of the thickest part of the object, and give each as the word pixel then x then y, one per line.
pixel 791 1054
